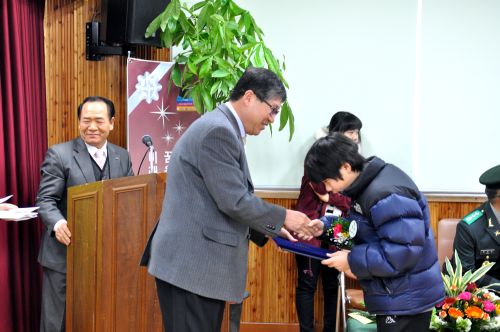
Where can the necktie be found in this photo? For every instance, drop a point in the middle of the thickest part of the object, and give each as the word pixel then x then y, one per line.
pixel 100 158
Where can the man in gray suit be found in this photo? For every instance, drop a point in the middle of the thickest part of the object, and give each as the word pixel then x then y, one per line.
pixel 85 159
pixel 199 251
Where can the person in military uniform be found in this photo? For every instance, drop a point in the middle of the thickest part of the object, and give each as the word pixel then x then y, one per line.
pixel 477 239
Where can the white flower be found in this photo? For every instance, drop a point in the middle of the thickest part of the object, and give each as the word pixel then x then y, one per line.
pixel 493 324
pixel 463 324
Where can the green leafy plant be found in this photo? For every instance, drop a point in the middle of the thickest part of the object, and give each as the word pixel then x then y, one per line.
pixel 219 40
pixel 456 283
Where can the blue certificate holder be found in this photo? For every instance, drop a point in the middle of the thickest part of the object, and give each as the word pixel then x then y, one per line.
pixel 302 249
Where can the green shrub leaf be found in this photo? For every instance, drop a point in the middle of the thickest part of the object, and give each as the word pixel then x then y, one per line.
pixel 220 73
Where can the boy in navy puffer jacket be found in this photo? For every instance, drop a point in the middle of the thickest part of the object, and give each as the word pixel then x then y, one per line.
pixel 394 255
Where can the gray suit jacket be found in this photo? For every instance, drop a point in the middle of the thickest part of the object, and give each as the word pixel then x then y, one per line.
pixel 201 241
pixel 65 165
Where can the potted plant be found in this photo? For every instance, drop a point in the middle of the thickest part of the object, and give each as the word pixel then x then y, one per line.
pixel 466 307
pixel 218 41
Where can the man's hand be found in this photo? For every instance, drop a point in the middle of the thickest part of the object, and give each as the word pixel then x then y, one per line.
pixel 63 234
pixel 298 224
pixel 7 206
pixel 317 226
pixel 338 260
pixel 286 234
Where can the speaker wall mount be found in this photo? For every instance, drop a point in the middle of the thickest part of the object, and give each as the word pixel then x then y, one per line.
pixel 96 49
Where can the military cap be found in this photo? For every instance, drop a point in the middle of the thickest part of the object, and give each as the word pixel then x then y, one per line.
pixel 491 178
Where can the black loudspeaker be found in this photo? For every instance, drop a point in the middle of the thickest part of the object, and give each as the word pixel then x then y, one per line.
pixel 125 21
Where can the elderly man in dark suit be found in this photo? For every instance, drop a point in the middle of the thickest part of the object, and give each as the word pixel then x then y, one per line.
pixel 85 159
pixel 199 252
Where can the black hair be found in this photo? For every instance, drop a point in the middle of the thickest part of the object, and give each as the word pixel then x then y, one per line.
pixel 344 121
pixel 492 194
pixel 264 83
pixel 327 155
pixel 91 99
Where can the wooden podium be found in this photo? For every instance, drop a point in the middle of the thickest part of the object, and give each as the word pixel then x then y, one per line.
pixel 110 223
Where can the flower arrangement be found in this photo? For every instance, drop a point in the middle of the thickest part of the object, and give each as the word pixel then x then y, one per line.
pixel 339 231
pixel 466 307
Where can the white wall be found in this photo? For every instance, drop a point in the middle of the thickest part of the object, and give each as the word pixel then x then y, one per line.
pixel 460 115
pixel 363 56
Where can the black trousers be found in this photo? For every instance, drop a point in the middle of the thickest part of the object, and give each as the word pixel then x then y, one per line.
pixel 414 323
pixel 308 271
pixel 184 311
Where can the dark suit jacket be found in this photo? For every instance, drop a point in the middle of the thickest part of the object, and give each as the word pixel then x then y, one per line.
pixel 65 165
pixel 478 242
pixel 201 242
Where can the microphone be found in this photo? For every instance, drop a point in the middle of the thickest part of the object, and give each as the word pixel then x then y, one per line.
pixel 146 139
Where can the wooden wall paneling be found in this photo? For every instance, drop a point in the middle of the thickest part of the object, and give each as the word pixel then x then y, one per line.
pixel 58 28
pixel 271 282
pixel 442 210
pixel 70 77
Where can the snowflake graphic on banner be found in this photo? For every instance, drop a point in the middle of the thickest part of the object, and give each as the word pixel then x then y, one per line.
pixel 162 113
pixel 148 87
pixel 168 138
pixel 179 128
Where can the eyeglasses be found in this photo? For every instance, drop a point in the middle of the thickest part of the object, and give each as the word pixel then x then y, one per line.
pixel 274 109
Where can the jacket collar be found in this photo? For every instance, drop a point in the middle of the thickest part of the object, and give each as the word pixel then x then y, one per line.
pixel 371 168
pixel 225 110
pixel 492 226
pixel 82 158
pixel 114 162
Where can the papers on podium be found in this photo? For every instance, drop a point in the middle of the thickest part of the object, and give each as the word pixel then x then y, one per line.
pixel 303 249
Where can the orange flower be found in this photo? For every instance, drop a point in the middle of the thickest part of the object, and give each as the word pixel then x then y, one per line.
pixel 442 314
pixel 453 287
pixel 455 313
pixel 474 312
pixel 446 306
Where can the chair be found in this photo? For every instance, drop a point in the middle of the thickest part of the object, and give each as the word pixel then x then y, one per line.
pixel 445 237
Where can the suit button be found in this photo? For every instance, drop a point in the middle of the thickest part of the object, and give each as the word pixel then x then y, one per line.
pixel 271 227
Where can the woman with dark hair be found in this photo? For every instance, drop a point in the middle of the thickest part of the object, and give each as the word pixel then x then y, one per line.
pixel 316 202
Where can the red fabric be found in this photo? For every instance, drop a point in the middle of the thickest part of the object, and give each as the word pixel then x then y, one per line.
pixel 23 142
pixel 310 204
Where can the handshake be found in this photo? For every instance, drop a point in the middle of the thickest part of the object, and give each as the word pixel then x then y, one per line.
pixel 298 225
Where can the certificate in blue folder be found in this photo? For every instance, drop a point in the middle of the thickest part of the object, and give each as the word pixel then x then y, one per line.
pixel 303 249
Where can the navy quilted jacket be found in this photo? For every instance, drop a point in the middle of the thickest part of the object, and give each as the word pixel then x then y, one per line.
pixel 394 256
